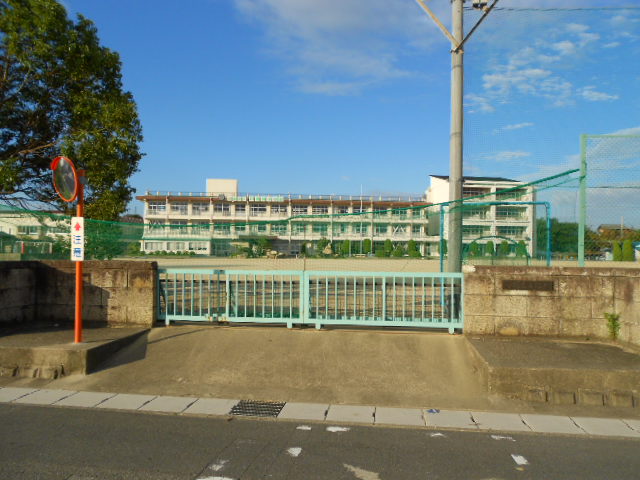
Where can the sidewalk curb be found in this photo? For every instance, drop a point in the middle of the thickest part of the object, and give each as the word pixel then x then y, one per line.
pixel 355 415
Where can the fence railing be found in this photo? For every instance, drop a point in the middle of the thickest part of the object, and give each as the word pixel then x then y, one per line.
pixel 384 299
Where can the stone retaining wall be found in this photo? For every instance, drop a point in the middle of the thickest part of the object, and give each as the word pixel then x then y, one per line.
pixel 116 293
pixel 17 292
pixel 557 301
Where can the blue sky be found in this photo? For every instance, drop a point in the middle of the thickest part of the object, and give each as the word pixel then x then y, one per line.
pixel 311 96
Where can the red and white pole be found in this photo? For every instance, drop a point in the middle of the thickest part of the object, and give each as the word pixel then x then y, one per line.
pixel 80 213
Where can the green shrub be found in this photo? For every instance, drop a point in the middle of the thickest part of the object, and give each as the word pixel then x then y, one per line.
pixel 613 324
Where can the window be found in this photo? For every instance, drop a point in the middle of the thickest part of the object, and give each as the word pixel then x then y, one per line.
pixel 241 208
pixel 200 228
pixel 299 228
pixel 320 228
pixel 56 229
pixel 320 210
pixel 300 209
pixel 513 194
pixel 278 209
pixel 399 213
pixel 510 213
pixel 199 208
pixel 179 246
pixel 155 208
pixel 179 227
pixel 359 209
pixel 198 246
pixel 475 212
pixel 380 228
pixel 473 192
pixel 223 209
pixel 27 230
pixel 342 209
pixel 511 231
pixel 262 228
pixel 153 246
pixel 416 229
pixel 241 228
pixel 360 228
pixel 180 208
pixel 258 209
pixel 475 230
pixel 224 228
pixel 279 228
pixel 340 228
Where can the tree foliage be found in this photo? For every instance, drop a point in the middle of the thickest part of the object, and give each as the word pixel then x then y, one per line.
pixel 521 249
pixel 489 249
pixel 61 93
pixel 366 246
pixel 628 255
pixel 617 252
pixel 474 250
pixel 503 249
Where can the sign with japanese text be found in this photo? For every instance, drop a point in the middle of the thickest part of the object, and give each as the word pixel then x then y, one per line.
pixel 77 239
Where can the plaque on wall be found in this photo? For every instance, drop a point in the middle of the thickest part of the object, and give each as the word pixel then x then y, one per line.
pixel 529 285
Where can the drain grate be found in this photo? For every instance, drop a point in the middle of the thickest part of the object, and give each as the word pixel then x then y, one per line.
pixel 253 408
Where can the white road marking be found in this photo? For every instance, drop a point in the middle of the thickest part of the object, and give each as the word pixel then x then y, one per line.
pixel 303 427
pixel 500 437
pixel 215 478
pixel 362 474
pixel 438 434
pixel 519 459
pixel 216 467
pixel 294 451
pixel 337 429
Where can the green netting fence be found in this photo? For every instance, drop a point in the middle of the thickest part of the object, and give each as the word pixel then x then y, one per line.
pixel 508 226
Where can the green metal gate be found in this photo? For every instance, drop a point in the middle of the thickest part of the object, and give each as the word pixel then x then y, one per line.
pixel 385 299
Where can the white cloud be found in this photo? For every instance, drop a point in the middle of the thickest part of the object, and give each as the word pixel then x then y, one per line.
pixel 341 46
pixel 507 155
pixel 589 93
pixel 514 126
pixel 477 104
pixel 565 47
pixel 611 45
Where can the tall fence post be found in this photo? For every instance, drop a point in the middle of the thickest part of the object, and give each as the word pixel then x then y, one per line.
pixel 583 199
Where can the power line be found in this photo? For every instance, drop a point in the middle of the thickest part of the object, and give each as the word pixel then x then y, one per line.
pixel 575 9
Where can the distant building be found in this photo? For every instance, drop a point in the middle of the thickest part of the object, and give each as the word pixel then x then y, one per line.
pixel 495 208
pixel 216 221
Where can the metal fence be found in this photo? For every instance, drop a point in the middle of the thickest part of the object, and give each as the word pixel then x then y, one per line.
pixel 383 299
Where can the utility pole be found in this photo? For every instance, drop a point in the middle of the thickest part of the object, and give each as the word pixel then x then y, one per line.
pixel 454 252
pixel 458 39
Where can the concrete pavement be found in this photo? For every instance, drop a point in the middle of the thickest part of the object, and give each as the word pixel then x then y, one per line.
pixel 419 379
pixel 335 415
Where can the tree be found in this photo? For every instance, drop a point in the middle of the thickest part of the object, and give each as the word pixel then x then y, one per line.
pixel 617 252
pixel 628 255
pixel 61 93
pixel 398 251
pixel 474 250
pixel 564 236
pixel 489 249
pixel 388 247
pixel 503 249
pixel 366 246
pixel 443 247
pixel 345 248
pixel 521 249
pixel 321 245
pixel 412 249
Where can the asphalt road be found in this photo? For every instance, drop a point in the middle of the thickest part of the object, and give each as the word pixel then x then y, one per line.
pixel 76 444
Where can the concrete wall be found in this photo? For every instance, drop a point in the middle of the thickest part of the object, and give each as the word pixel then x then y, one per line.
pixel 17 292
pixel 558 301
pixel 115 293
